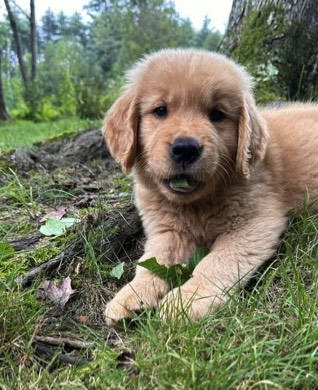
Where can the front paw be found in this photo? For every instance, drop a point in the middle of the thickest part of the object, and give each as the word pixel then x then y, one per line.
pixel 142 293
pixel 187 304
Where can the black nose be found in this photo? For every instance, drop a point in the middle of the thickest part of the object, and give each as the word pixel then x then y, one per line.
pixel 185 150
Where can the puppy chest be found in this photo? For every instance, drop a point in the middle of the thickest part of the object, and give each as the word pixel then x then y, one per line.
pixel 207 224
pixel 203 227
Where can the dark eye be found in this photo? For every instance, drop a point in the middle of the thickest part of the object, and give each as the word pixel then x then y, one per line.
pixel 161 112
pixel 216 115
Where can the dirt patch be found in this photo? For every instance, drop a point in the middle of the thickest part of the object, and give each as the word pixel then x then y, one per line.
pixel 81 169
pixel 81 163
pixel 81 148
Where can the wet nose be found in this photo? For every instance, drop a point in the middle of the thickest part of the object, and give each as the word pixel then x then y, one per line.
pixel 185 150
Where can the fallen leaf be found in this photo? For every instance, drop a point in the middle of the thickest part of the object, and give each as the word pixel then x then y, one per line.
pixel 58 294
pixel 58 214
pixel 56 227
pixel 177 274
pixel 118 271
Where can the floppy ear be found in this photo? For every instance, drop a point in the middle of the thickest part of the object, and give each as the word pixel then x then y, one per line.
pixel 252 139
pixel 120 130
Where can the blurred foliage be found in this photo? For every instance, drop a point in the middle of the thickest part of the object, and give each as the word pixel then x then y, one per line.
pixel 81 63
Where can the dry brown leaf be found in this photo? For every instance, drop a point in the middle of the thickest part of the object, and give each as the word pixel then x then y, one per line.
pixel 58 294
pixel 58 213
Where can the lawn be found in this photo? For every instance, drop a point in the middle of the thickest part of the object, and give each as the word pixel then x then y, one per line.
pixel 266 338
pixel 25 133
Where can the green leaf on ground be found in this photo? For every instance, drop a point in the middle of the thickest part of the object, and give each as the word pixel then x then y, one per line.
pixel 56 227
pixel 118 271
pixel 177 274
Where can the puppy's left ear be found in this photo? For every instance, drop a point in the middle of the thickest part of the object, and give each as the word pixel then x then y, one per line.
pixel 252 138
pixel 120 130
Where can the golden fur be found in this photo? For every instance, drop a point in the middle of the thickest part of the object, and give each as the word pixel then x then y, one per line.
pixel 255 166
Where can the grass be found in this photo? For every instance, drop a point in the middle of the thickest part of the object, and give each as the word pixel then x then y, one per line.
pixel 265 338
pixel 25 133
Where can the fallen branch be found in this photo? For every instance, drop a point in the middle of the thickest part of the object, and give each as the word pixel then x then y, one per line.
pixel 24 242
pixel 28 277
pixel 63 341
pixel 123 227
pixel 48 353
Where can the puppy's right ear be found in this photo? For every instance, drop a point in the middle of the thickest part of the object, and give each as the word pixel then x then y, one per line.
pixel 253 137
pixel 120 130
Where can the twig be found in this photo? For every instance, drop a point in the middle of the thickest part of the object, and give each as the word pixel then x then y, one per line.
pixel 63 341
pixel 28 277
pixel 48 353
pixel 24 242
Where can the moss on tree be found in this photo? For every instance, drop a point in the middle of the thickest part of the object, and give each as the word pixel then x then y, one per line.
pixel 279 53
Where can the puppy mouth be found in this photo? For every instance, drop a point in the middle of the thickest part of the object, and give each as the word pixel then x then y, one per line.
pixel 182 184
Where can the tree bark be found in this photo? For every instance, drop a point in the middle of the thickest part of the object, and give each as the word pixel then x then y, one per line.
pixel 28 77
pixel 17 40
pixel 33 41
pixel 4 115
pixel 276 36
pixel 303 11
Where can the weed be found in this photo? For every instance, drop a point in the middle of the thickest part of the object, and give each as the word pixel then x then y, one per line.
pixel 18 193
pixel 177 274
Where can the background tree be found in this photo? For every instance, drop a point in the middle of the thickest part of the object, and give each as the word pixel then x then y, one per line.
pixel 207 37
pixel 4 115
pixel 278 42
pixel 68 66
pixel 28 77
pixel 49 30
pixel 33 41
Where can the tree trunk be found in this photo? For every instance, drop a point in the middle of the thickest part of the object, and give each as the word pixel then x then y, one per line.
pixel 4 115
pixel 33 41
pixel 28 77
pixel 302 11
pixel 14 28
pixel 277 40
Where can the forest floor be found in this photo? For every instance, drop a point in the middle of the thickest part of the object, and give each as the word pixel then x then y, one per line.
pixel 69 238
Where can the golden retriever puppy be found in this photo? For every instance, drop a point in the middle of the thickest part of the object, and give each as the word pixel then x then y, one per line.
pixel 211 170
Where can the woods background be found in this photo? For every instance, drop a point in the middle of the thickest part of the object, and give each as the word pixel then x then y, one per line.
pixel 65 66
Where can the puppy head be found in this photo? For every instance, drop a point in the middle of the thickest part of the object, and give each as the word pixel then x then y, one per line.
pixel 187 121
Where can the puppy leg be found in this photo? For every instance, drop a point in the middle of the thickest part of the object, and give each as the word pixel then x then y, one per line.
pixel 233 258
pixel 146 289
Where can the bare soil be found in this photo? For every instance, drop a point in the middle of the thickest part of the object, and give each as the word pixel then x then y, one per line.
pixel 110 230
